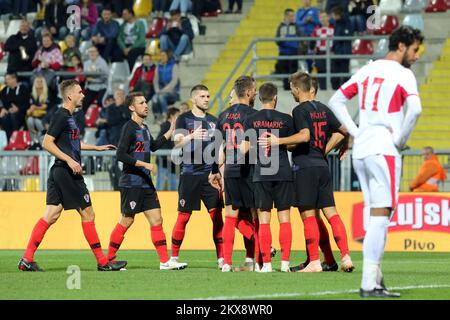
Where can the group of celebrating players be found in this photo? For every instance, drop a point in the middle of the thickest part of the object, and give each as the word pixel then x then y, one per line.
pixel 251 167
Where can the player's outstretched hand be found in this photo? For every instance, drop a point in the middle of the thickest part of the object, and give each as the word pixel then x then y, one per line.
pixel 106 147
pixel 268 140
pixel 74 166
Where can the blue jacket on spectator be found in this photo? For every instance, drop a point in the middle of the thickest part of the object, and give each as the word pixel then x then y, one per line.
pixel 175 33
pixel 307 20
pixel 290 30
pixel 109 30
pixel 342 28
pixel 165 75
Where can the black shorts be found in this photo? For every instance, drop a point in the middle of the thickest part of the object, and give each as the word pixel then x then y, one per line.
pixel 68 189
pixel 239 192
pixel 192 189
pixel 135 200
pixel 268 193
pixel 313 188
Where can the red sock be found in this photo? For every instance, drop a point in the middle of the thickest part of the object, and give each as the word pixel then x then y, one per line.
pixel 159 241
pixel 265 240
pixel 285 240
pixel 245 227
pixel 115 240
pixel 178 232
pixel 324 242
pixel 217 220
pixel 249 247
pixel 258 253
pixel 92 238
pixel 312 236
pixel 340 236
pixel 36 237
pixel 228 238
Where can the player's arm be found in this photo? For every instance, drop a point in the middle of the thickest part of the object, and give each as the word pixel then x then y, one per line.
pixel 50 145
pixel 411 117
pixel 160 141
pixel 338 104
pixel 86 146
pixel 181 140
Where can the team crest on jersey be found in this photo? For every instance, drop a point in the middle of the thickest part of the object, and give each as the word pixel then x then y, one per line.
pixel 132 205
pixel 182 202
pixel 86 197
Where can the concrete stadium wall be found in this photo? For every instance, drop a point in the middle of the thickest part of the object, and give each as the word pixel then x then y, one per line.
pixel 421 223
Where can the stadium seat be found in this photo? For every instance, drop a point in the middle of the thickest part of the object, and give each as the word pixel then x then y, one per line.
pixel 362 47
pixel 62 46
pixel 414 5
pixel 2 30
pixel 89 136
pixel 392 7
pixel 118 74
pixel 153 49
pixel 157 26
pixel 142 8
pixel 31 184
pixel 414 20
pixel 382 48
pixel 91 116
pixel 31 168
pixel 437 6
pixel 84 46
pixel 388 25
pixel 20 140
pixel 13 28
pixel 3 140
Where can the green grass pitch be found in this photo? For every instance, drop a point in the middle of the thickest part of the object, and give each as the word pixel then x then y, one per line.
pixel 414 275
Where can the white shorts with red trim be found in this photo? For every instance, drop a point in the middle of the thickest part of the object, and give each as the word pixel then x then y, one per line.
pixel 379 178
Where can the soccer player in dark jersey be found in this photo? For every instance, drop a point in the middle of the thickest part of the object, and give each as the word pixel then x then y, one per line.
pixel 272 178
pixel 315 124
pixel 237 172
pixel 194 135
pixel 65 186
pixel 137 192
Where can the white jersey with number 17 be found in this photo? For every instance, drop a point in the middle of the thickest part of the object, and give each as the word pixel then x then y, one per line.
pixel 382 87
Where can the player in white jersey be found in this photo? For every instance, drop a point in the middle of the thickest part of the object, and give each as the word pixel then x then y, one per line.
pixel 384 88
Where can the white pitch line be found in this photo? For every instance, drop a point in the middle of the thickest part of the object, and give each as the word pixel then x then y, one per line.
pixel 313 294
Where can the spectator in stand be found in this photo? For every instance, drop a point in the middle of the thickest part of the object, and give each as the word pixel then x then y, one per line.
pixel 199 7
pixel 104 36
pixel 143 76
pixel 20 9
pixel 231 5
pixel 177 35
pixel 70 51
pixel 48 55
pixel 22 48
pixel 184 107
pixel 287 29
pixel 14 99
pixel 89 17
pixel 131 37
pixel 39 104
pixel 342 27
pixel 330 4
pixel 325 31
pixel 56 19
pixel 430 173
pixel 166 85
pixel 164 171
pixel 182 5
pixel 95 87
pixel 307 18
pixel 359 14
pixel 119 5
pixel 77 66
pixel 39 21
pixel 101 124
pixel 160 7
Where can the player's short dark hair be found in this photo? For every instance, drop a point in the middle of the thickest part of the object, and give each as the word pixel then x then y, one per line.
pixel 199 87
pixel 288 10
pixel 302 80
pixel 406 35
pixel 243 83
pixel 172 111
pixel 66 85
pixel 267 92
pixel 129 100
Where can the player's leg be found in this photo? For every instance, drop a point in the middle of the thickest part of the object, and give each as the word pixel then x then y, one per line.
pixel 118 235
pixel 247 229
pixel 312 236
pixel 231 217
pixel 383 184
pixel 265 239
pixel 285 238
pixel 328 263
pixel 51 215
pixel 158 237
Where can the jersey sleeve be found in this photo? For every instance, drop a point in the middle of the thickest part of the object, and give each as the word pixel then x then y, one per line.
pixel 156 144
pixel 333 122
pixel 180 123
pixel 409 84
pixel 290 126
pixel 350 88
pixel 126 139
pixel 57 125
